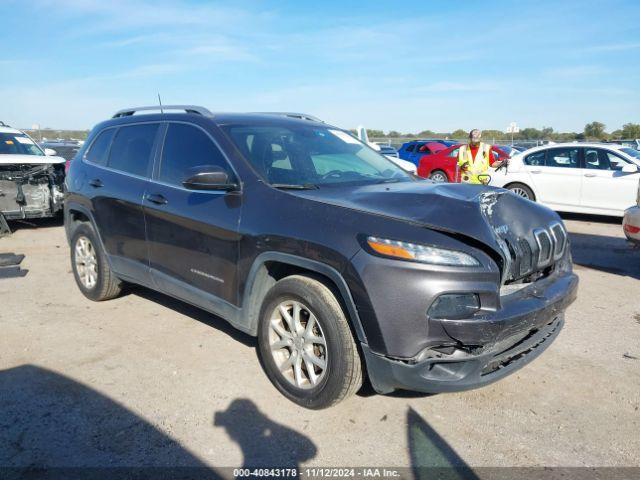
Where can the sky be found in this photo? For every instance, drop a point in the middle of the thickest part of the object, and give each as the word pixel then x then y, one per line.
pixel 391 65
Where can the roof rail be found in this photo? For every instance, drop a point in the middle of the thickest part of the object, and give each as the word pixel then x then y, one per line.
pixel 301 116
pixel 187 109
pixel 2 124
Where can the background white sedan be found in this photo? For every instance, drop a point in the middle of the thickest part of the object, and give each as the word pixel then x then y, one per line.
pixel 593 178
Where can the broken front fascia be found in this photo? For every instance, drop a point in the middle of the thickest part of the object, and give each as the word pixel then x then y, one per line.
pixel 31 190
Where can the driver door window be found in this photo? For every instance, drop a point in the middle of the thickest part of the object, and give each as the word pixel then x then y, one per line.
pixel 615 162
pixel 186 147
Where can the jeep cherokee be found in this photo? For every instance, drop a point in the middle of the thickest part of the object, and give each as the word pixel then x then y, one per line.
pixel 341 263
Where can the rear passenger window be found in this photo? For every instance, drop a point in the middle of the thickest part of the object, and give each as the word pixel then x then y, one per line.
pixel 562 157
pixel 186 147
pixel 100 147
pixel 131 149
pixel 535 159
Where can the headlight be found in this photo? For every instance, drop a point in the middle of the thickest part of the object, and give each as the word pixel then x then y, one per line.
pixel 421 253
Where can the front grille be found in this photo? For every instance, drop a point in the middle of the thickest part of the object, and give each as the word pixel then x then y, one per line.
pixel 560 238
pixel 545 246
pixel 526 259
pixel 529 260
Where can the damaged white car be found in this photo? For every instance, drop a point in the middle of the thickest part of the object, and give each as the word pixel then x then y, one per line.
pixel 31 179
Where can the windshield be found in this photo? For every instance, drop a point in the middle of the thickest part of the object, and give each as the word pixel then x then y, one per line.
pixel 311 155
pixel 18 144
pixel 635 154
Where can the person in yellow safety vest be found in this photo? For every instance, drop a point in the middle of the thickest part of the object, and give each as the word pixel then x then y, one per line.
pixel 475 159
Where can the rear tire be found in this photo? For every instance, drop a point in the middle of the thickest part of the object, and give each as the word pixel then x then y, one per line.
pixel 521 190
pixel 90 267
pixel 305 344
pixel 439 176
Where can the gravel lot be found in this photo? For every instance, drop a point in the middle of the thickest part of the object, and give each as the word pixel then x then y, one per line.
pixel 147 380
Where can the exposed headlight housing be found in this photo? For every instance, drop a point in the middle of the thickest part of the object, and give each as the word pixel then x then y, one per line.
pixel 421 253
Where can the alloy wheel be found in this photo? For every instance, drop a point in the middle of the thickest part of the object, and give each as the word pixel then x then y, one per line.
pixel 438 177
pixel 297 344
pixel 521 192
pixel 86 262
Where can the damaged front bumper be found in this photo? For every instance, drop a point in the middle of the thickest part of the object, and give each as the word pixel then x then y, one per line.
pixel 489 347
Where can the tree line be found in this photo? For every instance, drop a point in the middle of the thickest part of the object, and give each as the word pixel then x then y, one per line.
pixel 592 131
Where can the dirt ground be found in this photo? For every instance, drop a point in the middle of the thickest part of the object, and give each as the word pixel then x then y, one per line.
pixel 147 380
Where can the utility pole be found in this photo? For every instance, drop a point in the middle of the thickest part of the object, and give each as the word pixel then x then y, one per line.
pixel 512 128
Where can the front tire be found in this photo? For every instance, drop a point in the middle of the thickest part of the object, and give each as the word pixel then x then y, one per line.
pixel 305 343
pixel 521 190
pixel 91 270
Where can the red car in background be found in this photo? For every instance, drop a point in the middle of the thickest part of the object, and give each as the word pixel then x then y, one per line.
pixel 440 166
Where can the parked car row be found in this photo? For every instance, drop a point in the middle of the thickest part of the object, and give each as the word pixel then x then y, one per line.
pixel 592 178
pixel 442 165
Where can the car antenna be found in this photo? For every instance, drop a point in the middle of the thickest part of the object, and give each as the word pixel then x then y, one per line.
pixel 160 102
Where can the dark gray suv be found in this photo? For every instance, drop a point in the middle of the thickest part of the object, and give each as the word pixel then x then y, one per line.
pixel 343 265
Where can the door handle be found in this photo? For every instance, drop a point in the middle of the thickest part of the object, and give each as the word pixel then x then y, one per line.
pixel 156 198
pixel 536 171
pixel 96 183
pixel 589 175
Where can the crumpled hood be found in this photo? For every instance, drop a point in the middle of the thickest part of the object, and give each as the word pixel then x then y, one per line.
pixel 474 211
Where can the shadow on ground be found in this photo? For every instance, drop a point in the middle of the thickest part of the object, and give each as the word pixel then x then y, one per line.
pixel 39 223
pixel 262 441
pixel 54 427
pixel 431 456
pixel 583 217
pixel 608 254
pixel 195 313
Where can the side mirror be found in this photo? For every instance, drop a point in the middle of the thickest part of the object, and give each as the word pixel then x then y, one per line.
pixel 629 168
pixel 209 177
pixel 50 152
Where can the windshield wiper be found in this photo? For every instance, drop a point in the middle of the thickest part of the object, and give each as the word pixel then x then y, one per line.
pixel 293 186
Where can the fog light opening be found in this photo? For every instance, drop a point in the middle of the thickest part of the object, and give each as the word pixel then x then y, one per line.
pixel 454 306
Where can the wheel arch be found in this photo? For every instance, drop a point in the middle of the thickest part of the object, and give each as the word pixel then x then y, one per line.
pixel 519 182
pixel 75 215
pixel 440 170
pixel 269 267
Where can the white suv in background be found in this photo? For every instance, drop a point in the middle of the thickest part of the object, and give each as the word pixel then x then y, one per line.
pixel 594 178
pixel 31 179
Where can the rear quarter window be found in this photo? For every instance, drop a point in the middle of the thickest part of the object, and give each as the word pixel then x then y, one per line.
pixel 99 149
pixel 535 159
